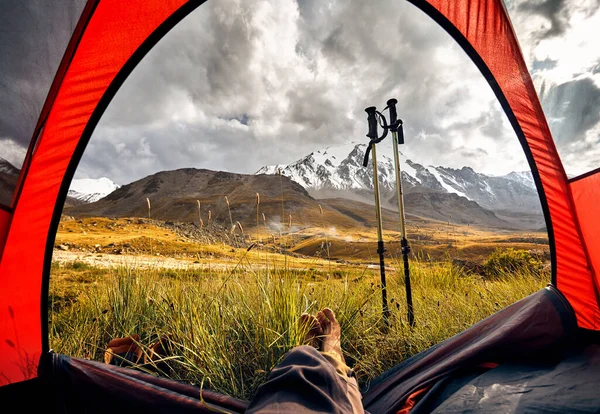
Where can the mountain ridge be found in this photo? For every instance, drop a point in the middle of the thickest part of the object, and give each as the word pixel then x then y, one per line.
pixel 283 204
pixel 340 168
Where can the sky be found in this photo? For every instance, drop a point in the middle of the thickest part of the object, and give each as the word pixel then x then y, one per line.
pixel 240 84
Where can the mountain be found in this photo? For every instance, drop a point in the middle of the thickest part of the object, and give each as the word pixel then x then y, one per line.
pixel 174 195
pixel 454 208
pixel 524 177
pixel 437 206
pixel 9 174
pixel 90 190
pixel 339 168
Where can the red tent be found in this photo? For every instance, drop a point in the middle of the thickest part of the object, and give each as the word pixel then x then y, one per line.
pixel 109 40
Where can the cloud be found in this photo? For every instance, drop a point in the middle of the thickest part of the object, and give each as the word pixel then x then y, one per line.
pixel 243 83
pixel 568 108
pixel 299 75
pixel 12 151
pixel 559 39
pixel 552 10
pixel 32 42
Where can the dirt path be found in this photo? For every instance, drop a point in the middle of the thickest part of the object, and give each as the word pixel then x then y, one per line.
pixel 111 261
pixel 137 261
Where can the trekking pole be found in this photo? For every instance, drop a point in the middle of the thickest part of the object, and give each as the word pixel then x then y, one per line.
pixel 398 138
pixel 372 120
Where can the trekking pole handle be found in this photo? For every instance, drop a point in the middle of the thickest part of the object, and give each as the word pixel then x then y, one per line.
pixel 395 123
pixel 400 130
pixel 391 104
pixel 372 120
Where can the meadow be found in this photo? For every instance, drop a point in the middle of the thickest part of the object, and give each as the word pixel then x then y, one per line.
pixel 229 325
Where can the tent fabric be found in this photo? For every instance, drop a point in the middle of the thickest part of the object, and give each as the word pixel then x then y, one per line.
pixel 568 384
pixel 535 325
pixel 110 39
pixel 83 386
pixel 34 37
pixel 586 197
pixel 484 30
pixel 114 32
pixel 5 217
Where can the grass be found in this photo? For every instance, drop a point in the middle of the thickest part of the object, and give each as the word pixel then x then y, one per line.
pixel 229 328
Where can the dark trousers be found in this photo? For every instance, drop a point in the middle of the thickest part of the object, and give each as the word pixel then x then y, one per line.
pixel 308 381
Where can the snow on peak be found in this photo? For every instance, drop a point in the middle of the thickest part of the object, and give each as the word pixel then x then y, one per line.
pixel 91 189
pixel 340 168
pixel 337 167
pixel 523 177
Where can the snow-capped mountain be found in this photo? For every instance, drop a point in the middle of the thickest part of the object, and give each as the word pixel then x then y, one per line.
pixel 90 190
pixel 340 168
pixel 7 168
pixel 524 177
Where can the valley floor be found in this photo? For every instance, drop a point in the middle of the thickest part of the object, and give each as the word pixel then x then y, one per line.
pixel 229 304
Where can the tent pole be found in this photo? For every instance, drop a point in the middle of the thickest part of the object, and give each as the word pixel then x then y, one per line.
pixel 396 127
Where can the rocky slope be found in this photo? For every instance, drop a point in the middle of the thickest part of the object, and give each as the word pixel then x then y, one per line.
pixel 340 168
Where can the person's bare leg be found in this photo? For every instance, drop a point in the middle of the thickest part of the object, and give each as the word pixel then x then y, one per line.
pixel 312 327
pixel 331 341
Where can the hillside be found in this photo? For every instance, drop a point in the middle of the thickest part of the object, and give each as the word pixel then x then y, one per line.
pixel 174 195
pixel 452 207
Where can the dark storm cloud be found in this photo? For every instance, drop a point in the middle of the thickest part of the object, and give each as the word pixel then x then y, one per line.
pixel 33 37
pixel 336 46
pixel 473 152
pixel 162 148
pixel 572 108
pixel 311 107
pixel 559 39
pixel 553 11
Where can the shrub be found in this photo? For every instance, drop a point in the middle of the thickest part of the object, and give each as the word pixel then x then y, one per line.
pixel 510 261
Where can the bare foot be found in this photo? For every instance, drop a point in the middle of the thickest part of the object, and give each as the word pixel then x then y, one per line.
pixel 312 327
pixel 124 350
pixel 332 333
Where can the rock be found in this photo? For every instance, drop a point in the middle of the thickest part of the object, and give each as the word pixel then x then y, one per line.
pixel 63 247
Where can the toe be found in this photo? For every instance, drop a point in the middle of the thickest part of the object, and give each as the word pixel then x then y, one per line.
pixel 322 319
pixel 304 320
pixel 316 327
pixel 330 315
pixel 325 323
